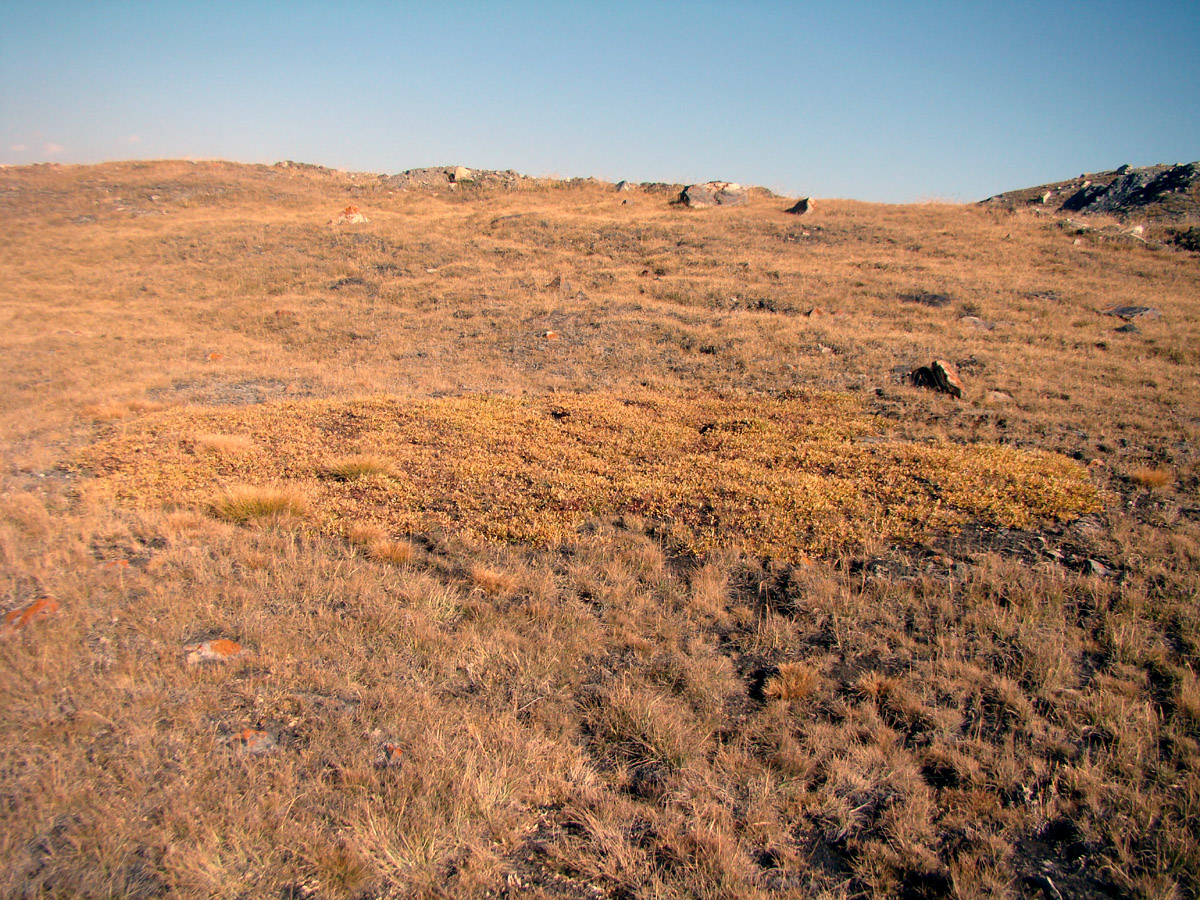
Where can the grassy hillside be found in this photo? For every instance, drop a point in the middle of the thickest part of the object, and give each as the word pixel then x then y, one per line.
pixel 553 541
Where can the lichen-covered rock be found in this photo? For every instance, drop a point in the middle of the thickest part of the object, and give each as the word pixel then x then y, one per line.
pixel 351 215
pixel 253 741
pixel 218 650
pixel 16 619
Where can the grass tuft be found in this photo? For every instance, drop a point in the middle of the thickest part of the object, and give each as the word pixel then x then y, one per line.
pixel 492 581
pixel 249 503
pixel 225 444
pixel 1153 478
pixel 396 552
pixel 360 465
pixel 792 682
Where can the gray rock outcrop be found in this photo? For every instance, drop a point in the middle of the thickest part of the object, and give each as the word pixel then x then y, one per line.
pixel 712 193
pixel 1134 189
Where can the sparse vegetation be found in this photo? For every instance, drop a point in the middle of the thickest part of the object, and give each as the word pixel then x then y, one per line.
pixel 699 599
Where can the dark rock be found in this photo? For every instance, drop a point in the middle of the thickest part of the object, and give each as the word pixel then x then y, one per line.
pixel 1188 238
pixel 712 193
pixel 1127 328
pixel 939 375
pixel 802 206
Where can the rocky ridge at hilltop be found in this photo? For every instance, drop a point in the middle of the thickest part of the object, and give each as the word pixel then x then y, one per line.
pixel 1168 193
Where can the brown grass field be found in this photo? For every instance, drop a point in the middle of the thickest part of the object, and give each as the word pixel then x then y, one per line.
pixel 557 542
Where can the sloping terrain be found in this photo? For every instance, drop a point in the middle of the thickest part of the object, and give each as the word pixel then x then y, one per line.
pixel 540 539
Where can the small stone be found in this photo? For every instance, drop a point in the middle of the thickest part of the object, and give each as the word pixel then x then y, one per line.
pixel 16 619
pixel 213 357
pixel 1127 328
pixel 995 397
pixel 218 650
pixel 624 187
pixel 460 174
pixel 114 565
pixel 1097 568
pixel 551 335
pixel 252 741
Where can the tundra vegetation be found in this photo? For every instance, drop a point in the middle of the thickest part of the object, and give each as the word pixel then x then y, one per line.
pixel 545 540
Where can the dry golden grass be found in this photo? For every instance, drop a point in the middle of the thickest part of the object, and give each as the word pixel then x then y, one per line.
pixel 360 465
pixel 248 503
pixel 792 682
pixel 396 552
pixel 225 444
pixel 696 599
pixel 1150 477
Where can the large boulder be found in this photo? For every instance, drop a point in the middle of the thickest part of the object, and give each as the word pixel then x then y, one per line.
pixel 712 193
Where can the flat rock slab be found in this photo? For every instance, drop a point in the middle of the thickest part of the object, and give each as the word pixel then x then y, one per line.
pixel 925 298
pixel 976 322
pixel 1133 312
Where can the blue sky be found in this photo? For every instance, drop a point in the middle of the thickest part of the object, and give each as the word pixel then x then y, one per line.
pixel 892 102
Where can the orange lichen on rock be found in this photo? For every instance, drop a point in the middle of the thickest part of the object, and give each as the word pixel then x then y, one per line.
pixel 252 740
pixel 16 619
pixel 218 650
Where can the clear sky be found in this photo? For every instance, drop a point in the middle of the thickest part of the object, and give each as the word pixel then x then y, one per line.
pixel 888 101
